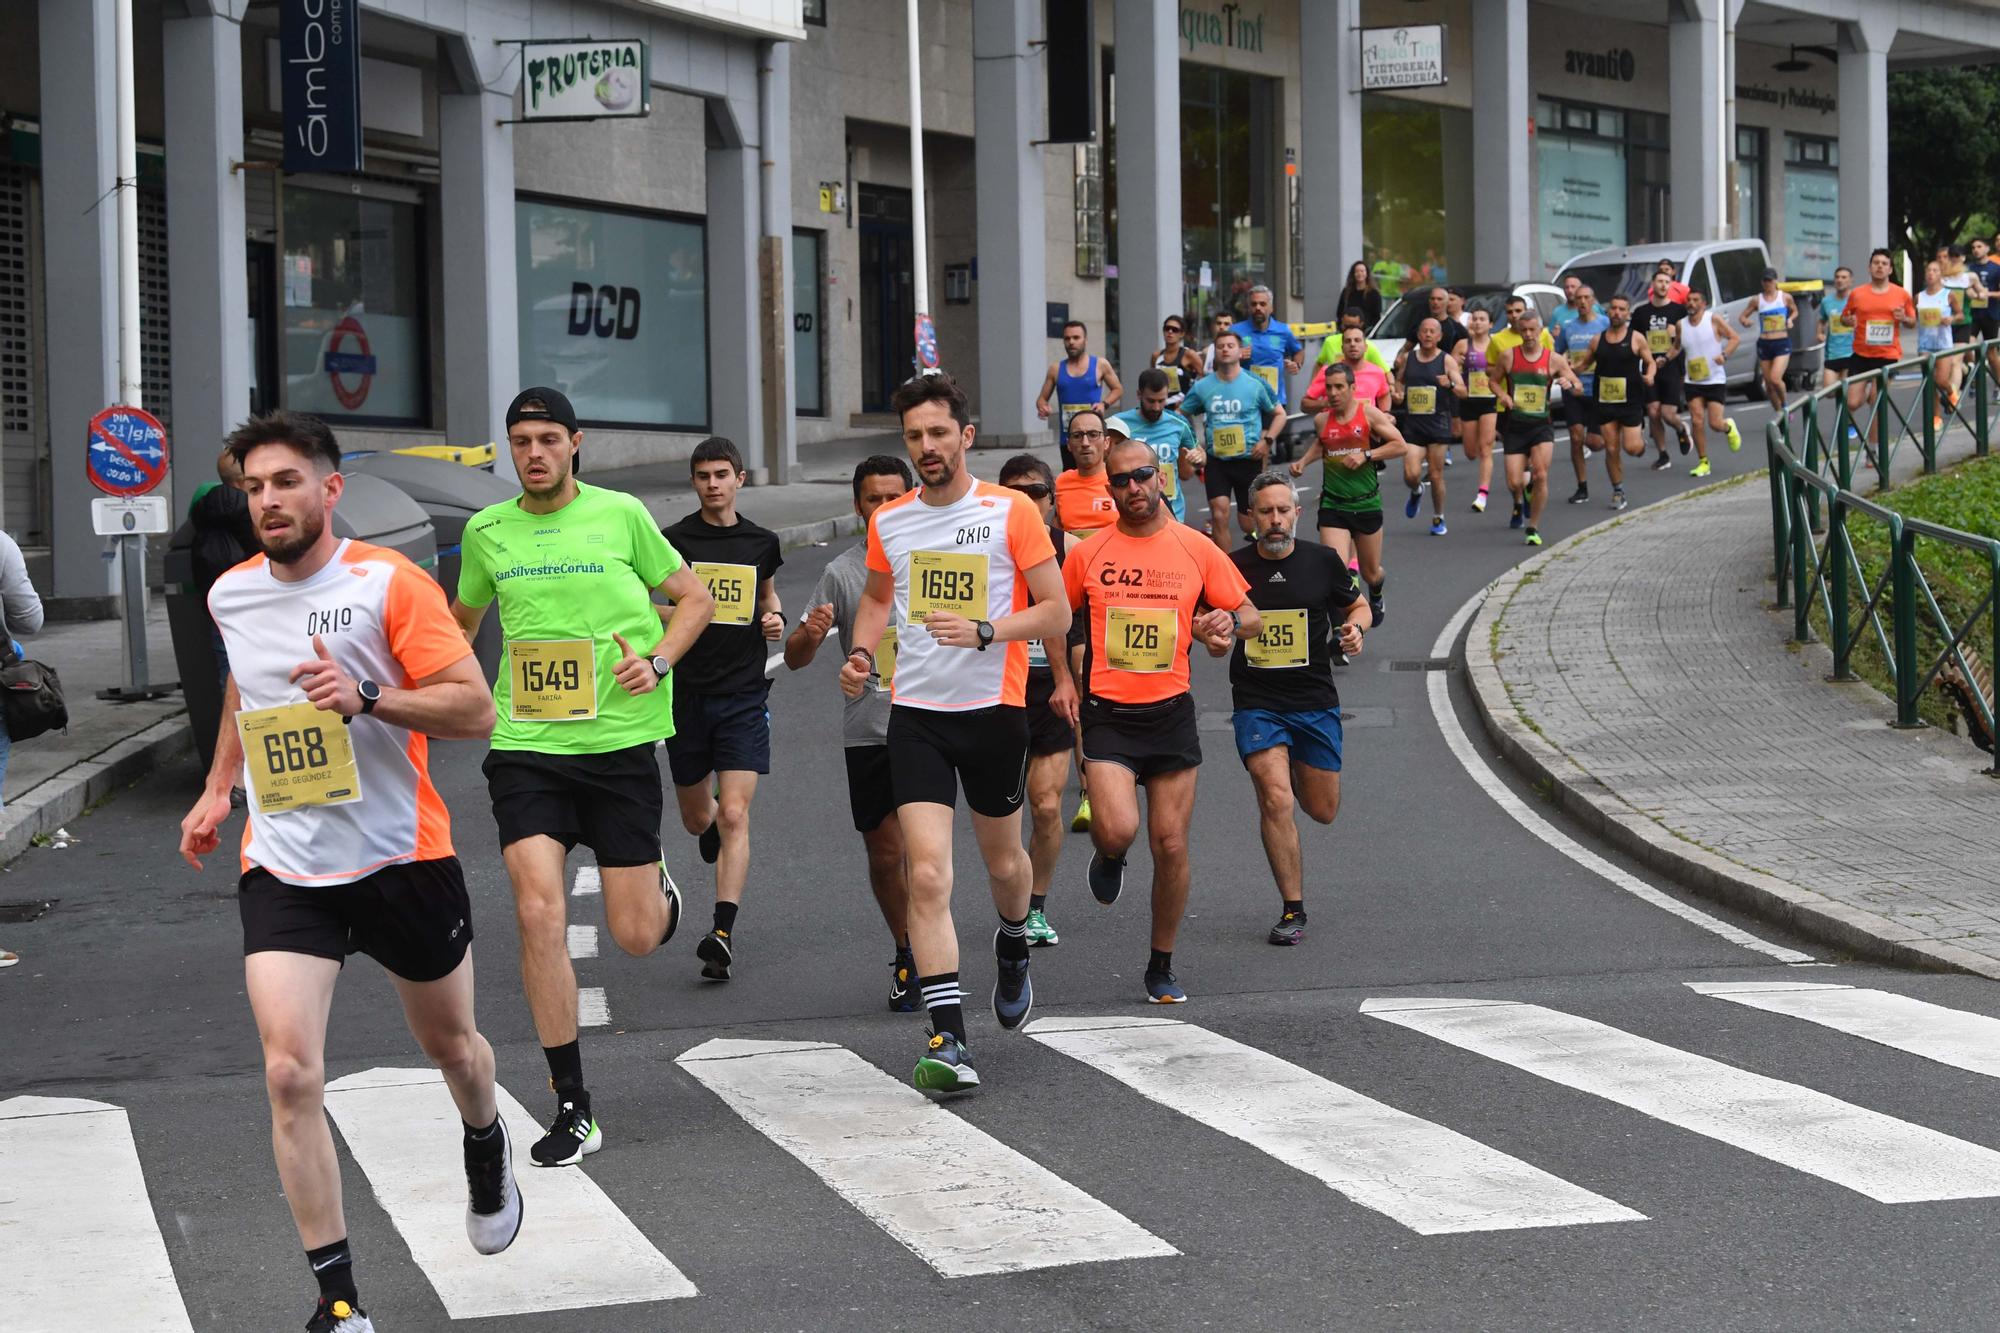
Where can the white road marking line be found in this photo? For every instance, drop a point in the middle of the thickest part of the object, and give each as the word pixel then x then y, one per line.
pixel 587 882
pixel 962 1201
pixel 1949 1036
pixel 1476 767
pixel 79 1245
pixel 1877 1155
pixel 592 1009
pixel 576 1249
pixel 583 941
pixel 772 663
pixel 1431 1179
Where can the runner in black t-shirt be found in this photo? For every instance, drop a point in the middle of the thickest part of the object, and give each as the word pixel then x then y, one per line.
pixel 722 728
pixel 1659 320
pixel 1287 711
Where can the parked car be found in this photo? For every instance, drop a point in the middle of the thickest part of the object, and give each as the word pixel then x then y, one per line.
pixel 1728 273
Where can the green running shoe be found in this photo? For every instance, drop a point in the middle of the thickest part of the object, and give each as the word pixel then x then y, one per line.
pixel 1736 439
pixel 945 1066
pixel 1040 933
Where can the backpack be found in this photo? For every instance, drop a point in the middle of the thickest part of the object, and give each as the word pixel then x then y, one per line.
pixel 31 696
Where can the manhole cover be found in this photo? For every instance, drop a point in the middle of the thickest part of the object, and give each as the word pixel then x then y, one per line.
pixel 1418 664
pixel 16 913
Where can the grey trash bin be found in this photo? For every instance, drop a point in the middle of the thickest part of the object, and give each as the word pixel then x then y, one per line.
pixel 370 510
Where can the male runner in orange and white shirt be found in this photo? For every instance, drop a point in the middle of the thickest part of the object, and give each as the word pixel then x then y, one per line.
pixel 1144 584
pixel 955 564
pixel 343 660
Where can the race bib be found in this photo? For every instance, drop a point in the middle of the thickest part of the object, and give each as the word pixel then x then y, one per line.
pixel 1170 477
pixel 1660 341
pixel 1138 640
pixel 1930 316
pixel 297 755
pixel 952 581
pixel 1610 389
pixel 1880 333
pixel 1840 324
pixel 1268 374
pixel 1774 324
pixel 1071 409
pixel 553 680
pixel 1478 384
pixel 1228 441
pixel 885 659
pixel 1533 398
pixel 1421 400
pixel 734 588
pixel 1697 368
pixel 1282 644
pixel 1038 656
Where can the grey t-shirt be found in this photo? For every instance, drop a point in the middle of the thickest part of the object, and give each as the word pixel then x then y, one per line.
pixel 866 719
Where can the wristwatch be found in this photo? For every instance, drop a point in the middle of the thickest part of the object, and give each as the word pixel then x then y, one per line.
pixel 371 694
pixel 985 628
pixel 661 666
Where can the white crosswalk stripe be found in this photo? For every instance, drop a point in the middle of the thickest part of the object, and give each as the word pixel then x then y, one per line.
pixel 79 1246
pixel 593 1010
pixel 1429 1178
pixel 587 882
pixel 1949 1036
pixel 1877 1155
pixel 958 1198
pixel 576 1249
pixel 583 941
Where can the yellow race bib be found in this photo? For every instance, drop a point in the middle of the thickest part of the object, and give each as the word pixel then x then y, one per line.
pixel 1880 333
pixel 1697 368
pixel 552 680
pixel 1283 642
pixel 1478 384
pixel 885 659
pixel 1610 388
pixel 1228 441
pixel 734 588
pixel 297 755
pixel 1071 409
pixel 1840 324
pixel 1139 640
pixel 1421 400
pixel 1774 324
pixel 1929 316
pixel 1660 341
pixel 1170 476
pixel 1531 397
pixel 1268 374
pixel 950 581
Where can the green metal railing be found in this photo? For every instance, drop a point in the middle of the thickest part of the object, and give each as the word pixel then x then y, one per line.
pixel 1815 447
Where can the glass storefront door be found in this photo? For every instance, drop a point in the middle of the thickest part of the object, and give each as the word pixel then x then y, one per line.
pixel 1228 185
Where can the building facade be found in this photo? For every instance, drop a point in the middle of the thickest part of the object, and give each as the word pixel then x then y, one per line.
pixel 740 260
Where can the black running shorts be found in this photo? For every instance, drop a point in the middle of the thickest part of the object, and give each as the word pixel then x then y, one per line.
pixel 1579 411
pixel 1520 434
pixel 1048 732
pixel 719 733
pixel 1148 739
pixel 985 750
pixel 1360 522
pixel 1708 393
pixel 611 802
pixel 1669 385
pixel 1471 409
pixel 415 919
pixel 870 796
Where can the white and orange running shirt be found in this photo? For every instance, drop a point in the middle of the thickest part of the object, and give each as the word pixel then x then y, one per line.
pixel 969 558
pixel 382 619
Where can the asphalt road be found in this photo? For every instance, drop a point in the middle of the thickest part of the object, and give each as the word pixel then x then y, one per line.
pixel 130 994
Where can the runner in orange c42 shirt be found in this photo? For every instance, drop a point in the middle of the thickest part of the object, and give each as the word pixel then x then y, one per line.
pixel 1150 587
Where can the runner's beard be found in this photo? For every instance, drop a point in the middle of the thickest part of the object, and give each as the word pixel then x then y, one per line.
pixel 1275 541
pixel 287 550
pixel 553 489
pixel 946 477
pixel 1148 505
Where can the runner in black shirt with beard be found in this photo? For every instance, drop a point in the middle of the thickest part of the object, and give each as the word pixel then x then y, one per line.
pixel 1287 711
pixel 721 726
pixel 1659 321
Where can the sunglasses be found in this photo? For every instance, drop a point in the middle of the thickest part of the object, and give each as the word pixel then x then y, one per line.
pixel 1172 328
pixel 1034 490
pixel 1138 476
pixel 1086 435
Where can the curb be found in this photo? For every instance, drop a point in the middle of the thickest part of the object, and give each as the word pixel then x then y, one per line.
pixel 821 530
pixel 1607 816
pixel 57 800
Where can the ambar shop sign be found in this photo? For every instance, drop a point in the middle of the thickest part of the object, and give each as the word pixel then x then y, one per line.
pixel 319 43
pixel 586 80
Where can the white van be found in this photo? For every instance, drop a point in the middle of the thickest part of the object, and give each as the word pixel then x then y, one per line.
pixel 1728 274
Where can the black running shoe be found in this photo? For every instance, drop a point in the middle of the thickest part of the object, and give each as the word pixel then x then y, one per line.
pixel 903 996
pixel 1375 612
pixel 715 954
pixel 1013 989
pixel 1581 496
pixel 1107 877
pixel 1291 928
pixel 572 1136
pixel 709 843
pixel 493 1209
pixel 334 1315
pixel 1687 440
pixel 672 892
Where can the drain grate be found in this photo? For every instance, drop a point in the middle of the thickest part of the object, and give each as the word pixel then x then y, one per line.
pixel 1420 664
pixel 15 913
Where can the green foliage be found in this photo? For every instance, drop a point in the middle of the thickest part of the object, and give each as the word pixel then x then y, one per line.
pixel 1943 155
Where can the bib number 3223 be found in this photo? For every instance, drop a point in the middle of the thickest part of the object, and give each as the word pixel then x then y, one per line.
pixel 297 756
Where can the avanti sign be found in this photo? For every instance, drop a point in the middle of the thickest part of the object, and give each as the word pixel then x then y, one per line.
pixel 1226 26
pixel 585 80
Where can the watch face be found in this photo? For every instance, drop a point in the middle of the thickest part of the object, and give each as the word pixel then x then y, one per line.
pixel 369 690
pixel 661 666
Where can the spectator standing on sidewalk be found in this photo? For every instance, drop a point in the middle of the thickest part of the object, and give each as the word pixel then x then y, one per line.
pixel 20 613
pixel 224 537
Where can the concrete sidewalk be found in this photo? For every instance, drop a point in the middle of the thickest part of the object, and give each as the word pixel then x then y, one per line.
pixel 1639 669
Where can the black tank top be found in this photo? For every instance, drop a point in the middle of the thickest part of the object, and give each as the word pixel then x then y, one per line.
pixel 1616 360
pixel 1177 385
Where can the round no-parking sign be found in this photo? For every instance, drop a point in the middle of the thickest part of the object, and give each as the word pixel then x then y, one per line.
pixel 127 452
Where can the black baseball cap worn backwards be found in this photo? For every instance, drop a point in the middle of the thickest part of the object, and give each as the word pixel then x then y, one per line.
pixel 554 406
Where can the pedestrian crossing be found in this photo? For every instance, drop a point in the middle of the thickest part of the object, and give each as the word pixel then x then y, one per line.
pixel 950 1184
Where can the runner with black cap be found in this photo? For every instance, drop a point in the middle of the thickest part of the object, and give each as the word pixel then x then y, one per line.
pixel 584 696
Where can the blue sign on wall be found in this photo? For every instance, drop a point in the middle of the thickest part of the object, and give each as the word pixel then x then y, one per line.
pixel 319 46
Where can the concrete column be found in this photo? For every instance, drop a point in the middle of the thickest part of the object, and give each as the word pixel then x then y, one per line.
pixel 735 350
pixel 1864 131
pixel 482 335
pixel 79 225
pixel 1148 91
pixel 1008 203
pixel 774 132
pixel 1330 161
pixel 1697 93
pixel 1502 182
pixel 206 271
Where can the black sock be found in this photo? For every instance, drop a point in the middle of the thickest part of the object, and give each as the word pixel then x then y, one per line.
pixel 566 1071
pixel 483 1144
pixel 944 1000
pixel 333 1267
pixel 725 917
pixel 1037 901
pixel 1161 961
pixel 1012 941
pixel 1375 589
pixel 902 944
pixel 1296 907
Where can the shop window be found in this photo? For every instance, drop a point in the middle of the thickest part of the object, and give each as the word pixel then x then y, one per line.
pixel 1229 169
pixel 813 13
pixel 352 288
pixel 1088 197
pixel 1402 191
pixel 1812 206
pixel 808 323
pixel 1750 182
pixel 614 312
pixel 1584 191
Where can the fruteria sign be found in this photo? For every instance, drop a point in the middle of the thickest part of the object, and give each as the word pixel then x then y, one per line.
pixel 585 80
pixel 1407 57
